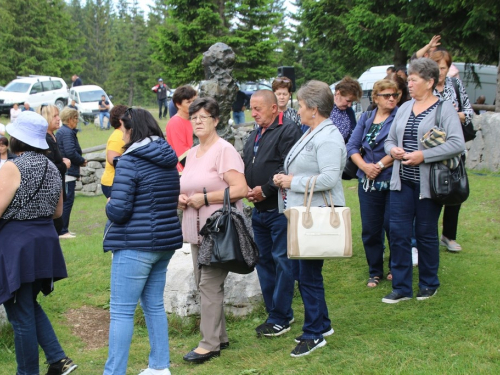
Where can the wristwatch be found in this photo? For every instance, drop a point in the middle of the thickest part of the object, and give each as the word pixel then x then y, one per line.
pixel 262 193
pixel 381 165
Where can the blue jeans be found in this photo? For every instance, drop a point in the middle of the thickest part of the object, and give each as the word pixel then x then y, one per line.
pixel 137 275
pixel 238 117
pixel 405 208
pixel 274 268
pixel 31 328
pixel 101 118
pixel 163 103
pixel 374 207
pixel 312 291
pixel 68 205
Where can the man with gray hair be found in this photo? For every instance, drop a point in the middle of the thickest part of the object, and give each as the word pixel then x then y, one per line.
pixel 26 107
pixel 264 155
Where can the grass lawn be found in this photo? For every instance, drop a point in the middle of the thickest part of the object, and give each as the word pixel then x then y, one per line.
pixel 457 332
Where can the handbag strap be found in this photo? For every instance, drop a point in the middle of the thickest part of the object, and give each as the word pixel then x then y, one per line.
pixel 311 193
pixel 437 121
pixel 227 201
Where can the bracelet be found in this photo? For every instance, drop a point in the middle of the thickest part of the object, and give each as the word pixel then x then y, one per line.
pixel 381 165
pixel 205 195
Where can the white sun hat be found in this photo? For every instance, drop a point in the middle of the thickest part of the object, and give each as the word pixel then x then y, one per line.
pixel 30 128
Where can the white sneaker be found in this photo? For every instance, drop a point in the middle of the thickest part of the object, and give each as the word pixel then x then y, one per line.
pixel 150 371
pixel 67 235
pixel 414 256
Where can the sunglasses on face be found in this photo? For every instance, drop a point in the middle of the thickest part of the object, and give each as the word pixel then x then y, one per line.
pixel 387 96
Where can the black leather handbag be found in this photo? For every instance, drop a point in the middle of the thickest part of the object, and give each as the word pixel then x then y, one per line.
pixel 226 250
pixel 449 187
pixel 351 168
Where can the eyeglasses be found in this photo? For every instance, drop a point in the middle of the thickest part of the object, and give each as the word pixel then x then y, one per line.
pixel 387 96
pixel 284 80
pixel 200 117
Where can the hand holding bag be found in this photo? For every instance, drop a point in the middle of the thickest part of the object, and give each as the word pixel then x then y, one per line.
pixel 318 232
pixel 227 242
pixel 448 180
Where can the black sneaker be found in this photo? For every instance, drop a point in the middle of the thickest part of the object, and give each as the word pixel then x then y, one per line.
pixel 394 297
pixel 327 332
pixel 304 347
pixel 270 329
pixel 426 293
pixel 62 367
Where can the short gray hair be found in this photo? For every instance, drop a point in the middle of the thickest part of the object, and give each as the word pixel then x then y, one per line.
pixel 426 69
pixel 317 94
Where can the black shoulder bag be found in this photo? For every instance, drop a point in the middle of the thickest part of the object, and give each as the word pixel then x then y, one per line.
pixel 449 187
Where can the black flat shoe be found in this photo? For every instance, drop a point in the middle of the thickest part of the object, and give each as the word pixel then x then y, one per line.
pixel 224 345
pixel 194 357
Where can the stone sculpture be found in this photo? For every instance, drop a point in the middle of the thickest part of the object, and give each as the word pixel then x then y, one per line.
pixel 218 63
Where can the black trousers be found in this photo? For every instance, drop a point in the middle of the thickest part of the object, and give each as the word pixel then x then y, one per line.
pixel 450 221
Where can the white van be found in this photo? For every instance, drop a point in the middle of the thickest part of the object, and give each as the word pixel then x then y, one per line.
pixel 87 98
pixel 36 90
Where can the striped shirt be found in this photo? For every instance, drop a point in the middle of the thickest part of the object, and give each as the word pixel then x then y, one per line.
pixel 410 144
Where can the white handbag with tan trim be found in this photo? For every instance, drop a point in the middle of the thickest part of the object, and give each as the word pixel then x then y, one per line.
pixel 318 232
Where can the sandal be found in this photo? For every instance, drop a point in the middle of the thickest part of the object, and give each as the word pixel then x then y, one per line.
pixel 373 280
pixel 389 276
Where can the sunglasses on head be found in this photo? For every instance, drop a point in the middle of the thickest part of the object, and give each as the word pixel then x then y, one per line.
pixel 284 80
pixel 387 96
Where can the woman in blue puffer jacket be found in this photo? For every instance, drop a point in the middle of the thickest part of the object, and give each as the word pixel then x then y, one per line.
pixel 142 232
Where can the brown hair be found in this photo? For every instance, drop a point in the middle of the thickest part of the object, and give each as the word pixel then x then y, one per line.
pixel 437 56
pixel 116 114
pixel 349 86
pixel 282 83
pixel 382 85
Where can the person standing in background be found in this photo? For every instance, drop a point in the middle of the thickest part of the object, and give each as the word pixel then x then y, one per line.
pixel 76 81
pixel 239 106
pixel 161 96
pixel 103 111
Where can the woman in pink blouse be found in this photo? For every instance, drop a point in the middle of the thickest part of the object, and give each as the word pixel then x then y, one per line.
pixel 210 168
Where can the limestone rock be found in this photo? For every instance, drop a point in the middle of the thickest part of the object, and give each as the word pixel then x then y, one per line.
pixel 99 173
pixel 94 164
pixel 89 188
pixel 241 292
pixel 86 171
pixel 96 156
pixel 3 315
pixel 78 186
pixel 483 151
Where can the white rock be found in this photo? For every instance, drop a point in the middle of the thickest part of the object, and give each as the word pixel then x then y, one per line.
pixel 3 315
pixel 94 165
pixel 483 150
pixel 99 173
pixel 96 156
pixel 241 292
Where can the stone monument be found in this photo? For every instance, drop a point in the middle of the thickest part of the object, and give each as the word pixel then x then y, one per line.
pixel 218 63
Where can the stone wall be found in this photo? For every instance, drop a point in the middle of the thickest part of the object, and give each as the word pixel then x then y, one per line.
pixel 483 151
pixel 90 180
pixel 241 292
pixel 3 317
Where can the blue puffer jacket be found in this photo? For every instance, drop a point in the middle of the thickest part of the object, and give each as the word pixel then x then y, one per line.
pixel 70 148
pixel 142 211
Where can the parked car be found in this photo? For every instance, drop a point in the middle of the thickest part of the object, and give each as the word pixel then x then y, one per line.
pixel 250 87
pixel 36 90
pixel 87 99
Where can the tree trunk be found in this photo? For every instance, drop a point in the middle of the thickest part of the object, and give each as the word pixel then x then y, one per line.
pixel 400 56
pixel 497 103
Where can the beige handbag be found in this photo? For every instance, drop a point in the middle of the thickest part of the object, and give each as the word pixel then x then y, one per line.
pixel 318 232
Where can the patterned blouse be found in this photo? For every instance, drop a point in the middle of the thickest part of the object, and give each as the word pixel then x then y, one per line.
pixel 450 94
pixel 342 121
pixel 32 166
pixel 410 144
pixel 291 114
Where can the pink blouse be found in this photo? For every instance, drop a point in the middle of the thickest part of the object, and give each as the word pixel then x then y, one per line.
pixel 207 172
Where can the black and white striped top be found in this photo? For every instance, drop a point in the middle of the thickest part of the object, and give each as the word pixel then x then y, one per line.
pixel 31 165
pixel 410 144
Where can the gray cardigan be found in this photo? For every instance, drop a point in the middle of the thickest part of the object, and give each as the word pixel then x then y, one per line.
pixel 321 153
pixel 453 146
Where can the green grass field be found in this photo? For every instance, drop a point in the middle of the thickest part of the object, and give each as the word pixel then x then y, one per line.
pixel 456 332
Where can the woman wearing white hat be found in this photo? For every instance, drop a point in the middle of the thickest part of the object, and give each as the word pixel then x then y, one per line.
pixel 30 256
